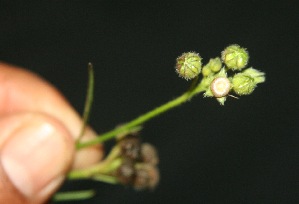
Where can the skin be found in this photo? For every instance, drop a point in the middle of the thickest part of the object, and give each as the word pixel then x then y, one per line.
pixel 38 129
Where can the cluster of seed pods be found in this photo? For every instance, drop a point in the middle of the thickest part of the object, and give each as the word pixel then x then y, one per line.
pixel 217 84
pixel 139 163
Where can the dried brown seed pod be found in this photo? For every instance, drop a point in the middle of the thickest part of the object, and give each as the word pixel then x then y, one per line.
pixel 148 154
pixel 130 147
pixel 147 176
pixel 126 172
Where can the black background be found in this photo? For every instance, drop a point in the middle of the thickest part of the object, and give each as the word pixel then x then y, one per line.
pixel 244 152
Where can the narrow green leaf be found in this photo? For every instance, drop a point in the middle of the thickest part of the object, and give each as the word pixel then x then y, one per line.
pixel 88 100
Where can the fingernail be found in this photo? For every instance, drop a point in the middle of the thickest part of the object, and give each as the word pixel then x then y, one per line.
pixel 34 156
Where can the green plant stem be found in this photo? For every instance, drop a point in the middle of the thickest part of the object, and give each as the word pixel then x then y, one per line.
pixel 74 195
pixel 145 117
pixel 98 170
pixel 111 163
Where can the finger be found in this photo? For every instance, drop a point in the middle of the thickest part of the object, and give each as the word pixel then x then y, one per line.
pixel 21 90
pixel 36 152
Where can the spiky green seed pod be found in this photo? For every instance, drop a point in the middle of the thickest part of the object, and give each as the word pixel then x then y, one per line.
pixel 235 57
pixel 245 82
pixel 188 65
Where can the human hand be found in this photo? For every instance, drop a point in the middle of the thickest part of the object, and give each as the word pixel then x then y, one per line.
pixel 38 128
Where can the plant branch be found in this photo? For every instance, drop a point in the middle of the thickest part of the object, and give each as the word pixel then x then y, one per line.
pixel 145 117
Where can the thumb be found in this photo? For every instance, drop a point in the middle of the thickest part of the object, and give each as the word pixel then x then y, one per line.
pixel 35 153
